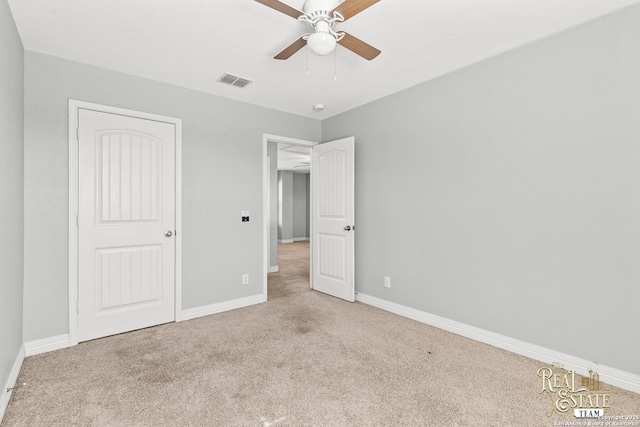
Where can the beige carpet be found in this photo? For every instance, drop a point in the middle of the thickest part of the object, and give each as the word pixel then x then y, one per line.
pixel 301 359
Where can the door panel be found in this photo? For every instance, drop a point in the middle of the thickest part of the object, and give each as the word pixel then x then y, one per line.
pixel 332 217
pixel 332 249
pixel 129 277
pixel 331 185
pixel 128 164
pixel 126 275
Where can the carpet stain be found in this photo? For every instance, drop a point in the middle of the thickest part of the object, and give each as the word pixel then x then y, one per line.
pixel 304 321
pixel 224 357
pixel 156 377
pixel 303 328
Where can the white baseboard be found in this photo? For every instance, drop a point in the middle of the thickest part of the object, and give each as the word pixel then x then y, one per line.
pixel 46 345
pixel 194 313
pixel 295 239
pixel 612 376
pixel 273 269
pixel 11 382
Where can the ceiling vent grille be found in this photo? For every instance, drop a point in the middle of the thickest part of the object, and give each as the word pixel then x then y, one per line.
pixel 236 81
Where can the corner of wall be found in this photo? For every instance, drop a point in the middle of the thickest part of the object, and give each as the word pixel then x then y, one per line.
pixel 11 381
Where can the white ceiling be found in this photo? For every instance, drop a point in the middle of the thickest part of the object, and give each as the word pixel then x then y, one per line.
pixel 295 158
pixel 190 43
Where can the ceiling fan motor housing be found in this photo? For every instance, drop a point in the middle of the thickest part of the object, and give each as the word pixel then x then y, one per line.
pixel 323 7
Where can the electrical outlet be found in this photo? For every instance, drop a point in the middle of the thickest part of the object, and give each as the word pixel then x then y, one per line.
pixel 387 281
pixel 245 279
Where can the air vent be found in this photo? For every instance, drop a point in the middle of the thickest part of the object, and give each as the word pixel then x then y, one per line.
pixel 232 80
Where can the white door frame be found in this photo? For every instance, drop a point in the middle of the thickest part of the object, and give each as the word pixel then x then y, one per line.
pixel 74 107
pixel 266 138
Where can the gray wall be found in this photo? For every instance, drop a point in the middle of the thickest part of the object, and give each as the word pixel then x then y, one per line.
pixel 507 195
pixel 293 205
pixel 285 205
pixel 11 192
pixel 218 142
pixel 300 218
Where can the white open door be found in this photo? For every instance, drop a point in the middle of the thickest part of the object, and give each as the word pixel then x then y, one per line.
pixel 126 223
pixel 332 218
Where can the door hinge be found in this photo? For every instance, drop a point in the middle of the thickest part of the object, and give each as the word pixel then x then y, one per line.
pixel 78 307
pixel 77 220
pixel 78 134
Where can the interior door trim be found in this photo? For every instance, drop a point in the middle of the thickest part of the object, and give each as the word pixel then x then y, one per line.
pixel 74 107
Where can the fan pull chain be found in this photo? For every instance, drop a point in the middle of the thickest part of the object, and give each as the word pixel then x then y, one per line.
pixel 335 65
pixel 307 60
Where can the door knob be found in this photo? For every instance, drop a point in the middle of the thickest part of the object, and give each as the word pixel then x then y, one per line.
pixel 347 228
pixel 168 233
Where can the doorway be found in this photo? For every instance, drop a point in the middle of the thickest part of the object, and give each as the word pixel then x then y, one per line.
pixel 332 227
pixel 295 162
pixel 293 276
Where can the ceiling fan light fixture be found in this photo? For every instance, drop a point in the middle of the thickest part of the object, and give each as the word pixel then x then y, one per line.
pixel 321 43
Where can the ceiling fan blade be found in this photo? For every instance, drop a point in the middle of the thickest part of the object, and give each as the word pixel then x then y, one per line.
pixel 281 7
pixel 359 47
pixel 350 8
pixel 291 49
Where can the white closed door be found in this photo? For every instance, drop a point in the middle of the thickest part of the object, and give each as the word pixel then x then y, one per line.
pixel 332 218
pixel 126 223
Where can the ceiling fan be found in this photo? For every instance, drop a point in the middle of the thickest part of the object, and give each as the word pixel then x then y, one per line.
pixel 322 16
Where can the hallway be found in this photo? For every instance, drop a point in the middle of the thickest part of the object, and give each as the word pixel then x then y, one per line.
pixel 293 276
